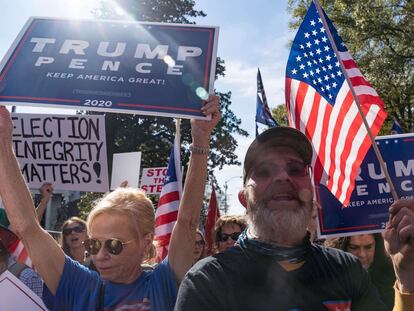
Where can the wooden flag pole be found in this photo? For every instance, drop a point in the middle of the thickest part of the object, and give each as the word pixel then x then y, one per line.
pixel 374 144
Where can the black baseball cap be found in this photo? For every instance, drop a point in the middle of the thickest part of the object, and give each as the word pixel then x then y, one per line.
pixel 275 137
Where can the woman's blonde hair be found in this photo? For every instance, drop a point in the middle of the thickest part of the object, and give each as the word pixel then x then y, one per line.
pixel 132 203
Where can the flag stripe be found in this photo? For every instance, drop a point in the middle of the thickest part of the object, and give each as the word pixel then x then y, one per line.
pixel 163 230
pixel 166 208
pixel 168 197
pixel 360 81
pixel 166 218
pixel 339 133
pixel 168 205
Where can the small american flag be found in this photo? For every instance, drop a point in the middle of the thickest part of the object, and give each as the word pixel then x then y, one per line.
pixel 167 211
pixel 321 105
pixel 20 254
pixel 15 246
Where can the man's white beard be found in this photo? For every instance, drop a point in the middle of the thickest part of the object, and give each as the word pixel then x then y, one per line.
pixel 283 226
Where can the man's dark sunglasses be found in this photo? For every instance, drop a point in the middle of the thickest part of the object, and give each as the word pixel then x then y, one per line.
pixel 113 246
pixel 77 229
pixel 224 236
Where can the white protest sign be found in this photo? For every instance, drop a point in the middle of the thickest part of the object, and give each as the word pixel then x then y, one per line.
pixel 152 179
pixel 14 295
pixel 126 166
pixel 67 150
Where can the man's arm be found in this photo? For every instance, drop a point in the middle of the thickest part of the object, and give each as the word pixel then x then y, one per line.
pixel 47 256
pixel 399 243
pixel 183 236
pixel 46 192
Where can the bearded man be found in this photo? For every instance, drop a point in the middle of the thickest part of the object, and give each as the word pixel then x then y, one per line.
pixel 274 266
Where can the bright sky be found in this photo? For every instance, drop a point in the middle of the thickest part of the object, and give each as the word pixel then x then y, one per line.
pixel 252 34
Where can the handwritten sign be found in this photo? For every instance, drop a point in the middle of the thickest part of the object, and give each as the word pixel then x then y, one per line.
pixel 153 179
pixel 371 198
pixel 150 68
pixel 66 150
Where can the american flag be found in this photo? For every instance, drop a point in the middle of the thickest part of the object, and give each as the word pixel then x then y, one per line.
pixel 263 114
pixel 212 216
pixel 167 211
pixel 321 105
pixel 15 246
pixel 20 254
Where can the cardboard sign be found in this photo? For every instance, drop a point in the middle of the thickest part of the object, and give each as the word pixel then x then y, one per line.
pixel 371 198
pixel 126 166
pixel 14 295
pixel 152 179
pixel 150 68
pixel 67 150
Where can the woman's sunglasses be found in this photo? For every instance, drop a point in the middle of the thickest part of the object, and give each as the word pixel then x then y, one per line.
pixel 77 229
pixel 113 246
pixel 224 236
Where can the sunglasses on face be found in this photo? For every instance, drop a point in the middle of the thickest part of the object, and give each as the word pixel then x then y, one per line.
pixel 113 246
pixel 200 243
pixel 224 236
pixel 292 168
pixel 77 229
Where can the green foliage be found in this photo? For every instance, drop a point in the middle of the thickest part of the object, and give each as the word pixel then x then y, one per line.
pixel 280 115
pixel 169 11
pixel 86 203
pixel 379 35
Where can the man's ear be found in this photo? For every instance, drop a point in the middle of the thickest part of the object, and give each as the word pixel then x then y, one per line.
pixel 242 198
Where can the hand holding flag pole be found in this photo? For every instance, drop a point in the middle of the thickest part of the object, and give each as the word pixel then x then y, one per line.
pixel 374 145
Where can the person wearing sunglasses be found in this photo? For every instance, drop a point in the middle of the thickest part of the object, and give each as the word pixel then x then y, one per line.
pixel 199 246
pixel 227 230
pixel 274 265
pixel 72 237
pixel 121 231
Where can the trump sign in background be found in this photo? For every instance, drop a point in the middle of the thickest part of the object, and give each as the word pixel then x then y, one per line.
pixel 371 198
pixel 146 68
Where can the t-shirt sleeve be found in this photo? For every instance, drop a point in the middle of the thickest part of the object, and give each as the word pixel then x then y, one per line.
pixel 196 292
pixel 164 282
pixel 78 288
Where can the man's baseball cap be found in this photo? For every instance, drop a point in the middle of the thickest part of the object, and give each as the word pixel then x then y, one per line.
pixel 275 137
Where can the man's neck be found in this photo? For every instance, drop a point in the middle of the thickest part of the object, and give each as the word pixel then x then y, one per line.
pixel 278 241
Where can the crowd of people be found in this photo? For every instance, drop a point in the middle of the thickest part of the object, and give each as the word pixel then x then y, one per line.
pixel 265 260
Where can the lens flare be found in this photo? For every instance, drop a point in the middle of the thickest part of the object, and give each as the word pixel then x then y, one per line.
pixel 202 93
pixel 169 60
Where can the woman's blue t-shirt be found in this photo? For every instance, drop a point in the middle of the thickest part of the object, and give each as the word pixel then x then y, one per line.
pixel 79 289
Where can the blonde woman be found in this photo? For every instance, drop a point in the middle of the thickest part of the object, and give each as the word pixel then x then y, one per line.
pixel 121 231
